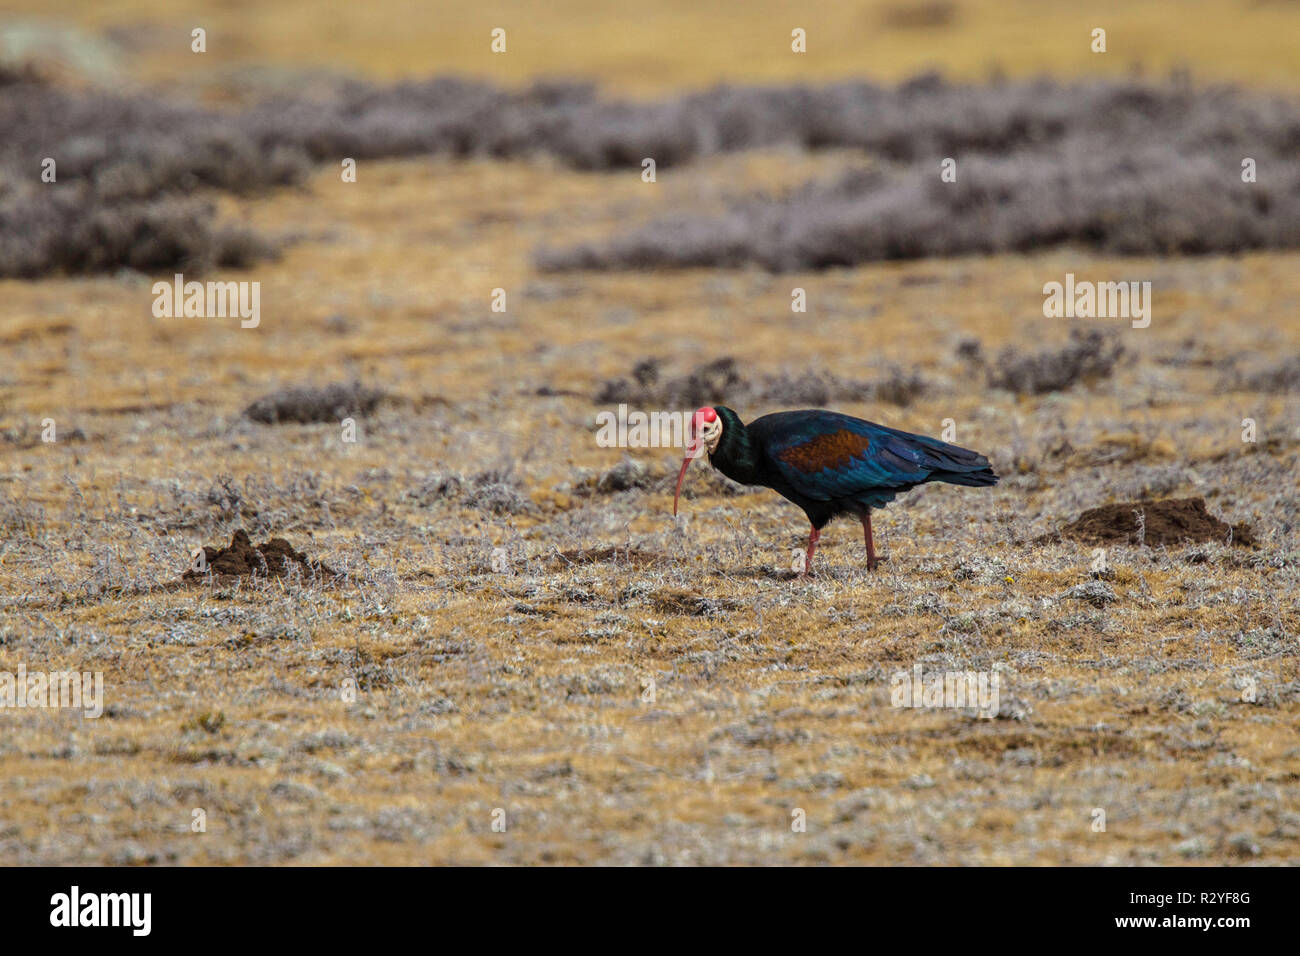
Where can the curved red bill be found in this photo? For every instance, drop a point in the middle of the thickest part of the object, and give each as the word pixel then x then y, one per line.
pixel 681 476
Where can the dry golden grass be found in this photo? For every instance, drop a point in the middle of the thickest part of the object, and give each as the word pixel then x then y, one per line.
pixel 523 690
pixel 650 48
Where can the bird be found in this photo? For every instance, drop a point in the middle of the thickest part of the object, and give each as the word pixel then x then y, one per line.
pixel 827 463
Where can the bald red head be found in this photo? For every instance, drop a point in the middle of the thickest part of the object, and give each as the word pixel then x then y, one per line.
pixel 702 417
pixel 696 443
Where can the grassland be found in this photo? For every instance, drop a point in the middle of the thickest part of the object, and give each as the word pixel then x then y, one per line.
pixel 684 44
pixel 524 689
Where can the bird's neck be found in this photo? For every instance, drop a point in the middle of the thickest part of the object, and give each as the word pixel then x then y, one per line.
pixel 736 457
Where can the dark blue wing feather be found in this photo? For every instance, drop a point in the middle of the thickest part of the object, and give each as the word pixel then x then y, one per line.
pixel 827 456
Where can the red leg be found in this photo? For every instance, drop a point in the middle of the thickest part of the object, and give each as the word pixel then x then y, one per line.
pixel 812 546
pixel 871 547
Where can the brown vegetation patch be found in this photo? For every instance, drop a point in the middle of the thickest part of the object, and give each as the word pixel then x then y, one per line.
pixel 1116 449
pixel 1088 357
pixel 615 555
pixel 675 601
pixel 308 404
pixel 722 381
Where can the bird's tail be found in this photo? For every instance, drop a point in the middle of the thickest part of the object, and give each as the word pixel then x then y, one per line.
pixel 956 465
pixel 984 476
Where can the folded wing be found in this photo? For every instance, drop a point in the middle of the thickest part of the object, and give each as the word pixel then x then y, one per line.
pixel 827 456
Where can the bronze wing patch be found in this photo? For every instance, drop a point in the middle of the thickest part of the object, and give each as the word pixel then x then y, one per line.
pixel 832 450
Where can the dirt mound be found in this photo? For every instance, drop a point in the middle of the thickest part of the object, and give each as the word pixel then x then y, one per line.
pixel 1170 521
pixel 243 559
